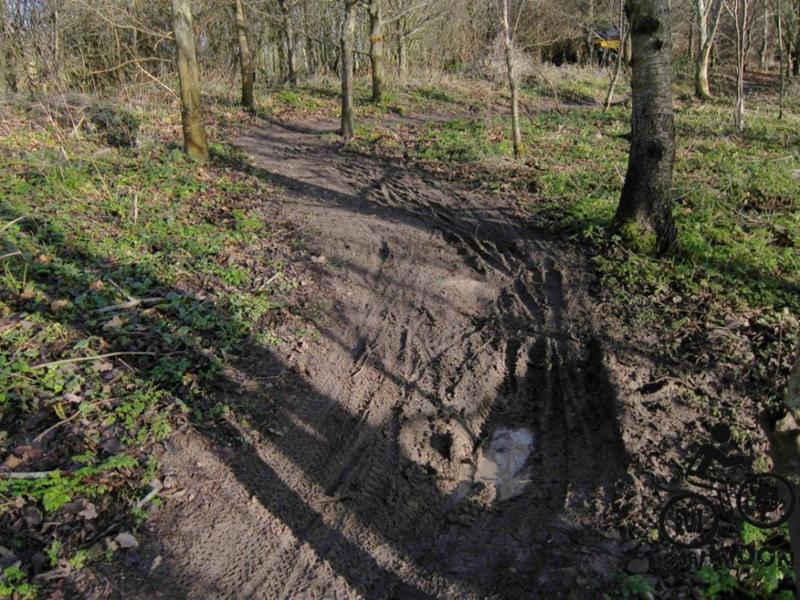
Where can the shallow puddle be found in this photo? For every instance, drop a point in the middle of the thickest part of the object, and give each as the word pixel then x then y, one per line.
pixel 502 459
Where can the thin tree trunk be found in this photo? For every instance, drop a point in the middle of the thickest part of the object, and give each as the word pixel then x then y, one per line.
pixel 590 34
pixel 402 51
pixel 245 57
pixel 376 49
pixel 764 54
pixel 779 11
pixel 347 40
pixel 7 50
pixel 194 135
pixel 56 70
pixel 309 43
pixel 740 12
pixel 288 29
pixel 512 80
pixel 644 215
pixel 707 14
pixel 623 34
pixel 796 49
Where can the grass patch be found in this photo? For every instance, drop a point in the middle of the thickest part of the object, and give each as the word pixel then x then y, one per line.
pixel 129 281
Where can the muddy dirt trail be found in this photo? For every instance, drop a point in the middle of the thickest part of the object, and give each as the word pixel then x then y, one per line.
pixel 452 332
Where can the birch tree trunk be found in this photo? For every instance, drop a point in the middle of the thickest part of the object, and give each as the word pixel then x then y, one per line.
pixel 644 215
pixel 740 11
pixel 707 14
pixel 512 79
pixel 347 42
pixel 288 29
pixel 376 51
pixel 245 57
pixel 194 135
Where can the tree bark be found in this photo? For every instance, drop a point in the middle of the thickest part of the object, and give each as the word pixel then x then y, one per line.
pixel 707 15
pixel 782 55
pixel 245 57
pixel 590 34
pixel 512 79
pixel 402 51
pixel 288 29
pixel 376 54
pixel 7 50
pixel 740 12
pixel 194 135
pixel 644 215
pixel 347 44
pixel 55 21
pixel 763 53
pixel 309 43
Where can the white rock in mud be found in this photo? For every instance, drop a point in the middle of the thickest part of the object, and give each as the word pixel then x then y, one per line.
pixel 501 461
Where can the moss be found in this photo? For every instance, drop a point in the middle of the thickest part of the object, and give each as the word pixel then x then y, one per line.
pixel 639 238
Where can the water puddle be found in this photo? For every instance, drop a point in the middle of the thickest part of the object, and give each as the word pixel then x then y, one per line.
pixel 502 459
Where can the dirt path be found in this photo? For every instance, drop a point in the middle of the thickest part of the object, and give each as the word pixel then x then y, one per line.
pixel 447 319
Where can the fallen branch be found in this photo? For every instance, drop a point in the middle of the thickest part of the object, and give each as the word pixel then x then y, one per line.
pixel 78 412
pixel 88 358
pixel 10 223
pixel 29 475
pixel 133 303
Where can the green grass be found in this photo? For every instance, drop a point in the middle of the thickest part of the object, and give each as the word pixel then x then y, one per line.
pixel 85 228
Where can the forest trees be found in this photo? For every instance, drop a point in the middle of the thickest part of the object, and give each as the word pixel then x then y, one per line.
pixel 245 56
pixel 194 135
pixel 644 215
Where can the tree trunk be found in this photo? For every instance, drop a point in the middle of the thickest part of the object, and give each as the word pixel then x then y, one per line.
pixel 348 37
pixel 764 54
pixel 245 57
pixel 376 49
pixel 740 11
pixel 782 56
pixel 512 80
pixel 644 216
pixel 288 30
pixel 56 70
pixel 402 53
pixel 624 42
pixel 7 50
pixel 590 34
pixel 194 135
pixel 309 43
pixel 707 16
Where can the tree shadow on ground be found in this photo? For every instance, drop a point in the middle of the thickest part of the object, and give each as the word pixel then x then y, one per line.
pixel 317 447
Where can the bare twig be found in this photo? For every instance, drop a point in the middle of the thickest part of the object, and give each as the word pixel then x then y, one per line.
pixel 30 475
pixel 133 303
pixel 78 412
pixel 89 358
pixel 10 223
